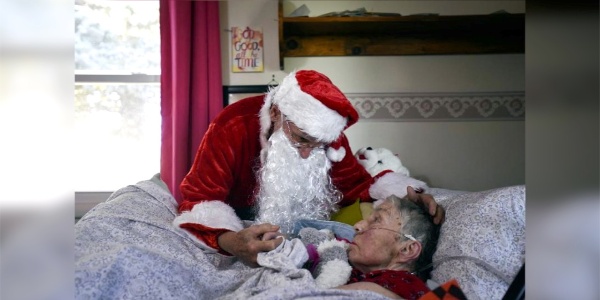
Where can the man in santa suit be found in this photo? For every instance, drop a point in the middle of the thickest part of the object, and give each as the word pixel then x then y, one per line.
pixel 275 158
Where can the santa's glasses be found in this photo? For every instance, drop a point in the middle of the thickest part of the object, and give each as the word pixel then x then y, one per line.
pixel 299 141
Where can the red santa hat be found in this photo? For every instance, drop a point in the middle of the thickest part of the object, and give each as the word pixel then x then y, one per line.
pixel 311 101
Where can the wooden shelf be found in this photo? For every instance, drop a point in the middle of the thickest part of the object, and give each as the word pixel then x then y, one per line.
pixel 400 35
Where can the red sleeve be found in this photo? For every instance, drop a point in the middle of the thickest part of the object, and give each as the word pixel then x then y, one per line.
pixel 350 177
pixel 208 235
pixel 222 167
pixel 200 184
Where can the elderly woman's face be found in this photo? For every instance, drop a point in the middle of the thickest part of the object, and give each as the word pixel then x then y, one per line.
pixel 375 244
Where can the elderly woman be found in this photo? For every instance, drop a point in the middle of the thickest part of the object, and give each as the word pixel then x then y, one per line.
pixel 396 241
pixel 391 250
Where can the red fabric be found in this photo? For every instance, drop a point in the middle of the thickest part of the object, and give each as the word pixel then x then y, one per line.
pixel 402 283
pixel 350 177
pixel 229 153
pixel 321 88
pixel 380 174
pixel 191 87
pixel 208 235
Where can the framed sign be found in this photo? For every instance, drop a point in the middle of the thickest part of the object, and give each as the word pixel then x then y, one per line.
pixel 233 93
pixel 247 49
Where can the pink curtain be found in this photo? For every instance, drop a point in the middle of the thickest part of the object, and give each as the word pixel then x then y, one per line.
pixel 191 87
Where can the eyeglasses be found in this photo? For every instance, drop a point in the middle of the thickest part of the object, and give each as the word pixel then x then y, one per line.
pixel 408 236
pixel 296 140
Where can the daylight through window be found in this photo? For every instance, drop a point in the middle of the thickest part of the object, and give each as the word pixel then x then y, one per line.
pixel 117 93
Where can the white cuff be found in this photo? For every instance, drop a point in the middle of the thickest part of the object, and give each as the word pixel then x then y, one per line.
pixel 213 214
pixel 393 184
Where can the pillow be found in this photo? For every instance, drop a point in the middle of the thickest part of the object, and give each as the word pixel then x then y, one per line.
pixel 366 209
pixel 349 214
pixel 482 241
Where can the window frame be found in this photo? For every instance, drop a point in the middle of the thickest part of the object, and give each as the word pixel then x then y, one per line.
pixel 86 200
pixel 90 77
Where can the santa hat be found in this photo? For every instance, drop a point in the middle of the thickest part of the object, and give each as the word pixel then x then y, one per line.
pixel 311 101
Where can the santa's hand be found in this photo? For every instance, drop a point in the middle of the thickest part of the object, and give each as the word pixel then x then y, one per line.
pixel 247 243
pixel 272 235
pixel 427 201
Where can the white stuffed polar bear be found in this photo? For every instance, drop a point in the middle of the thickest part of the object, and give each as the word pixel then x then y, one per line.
pixel 377 161
pixel 380 159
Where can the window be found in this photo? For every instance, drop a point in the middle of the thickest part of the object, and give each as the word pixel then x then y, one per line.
pixel 117 94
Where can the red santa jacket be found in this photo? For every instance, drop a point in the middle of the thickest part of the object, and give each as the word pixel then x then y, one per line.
pixel 224 170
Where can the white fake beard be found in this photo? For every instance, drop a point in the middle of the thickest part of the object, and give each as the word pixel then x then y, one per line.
pixel 292 188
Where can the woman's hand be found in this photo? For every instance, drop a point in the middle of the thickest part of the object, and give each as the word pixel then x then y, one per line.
pixel 426 200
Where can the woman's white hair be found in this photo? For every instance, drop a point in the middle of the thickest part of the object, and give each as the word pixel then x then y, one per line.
pixel 416 221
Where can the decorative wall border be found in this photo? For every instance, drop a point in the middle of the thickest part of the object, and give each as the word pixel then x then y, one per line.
pixel 494 106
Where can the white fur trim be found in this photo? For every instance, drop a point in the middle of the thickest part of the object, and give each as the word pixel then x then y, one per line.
pixel 214 214
pixel 336 155
pixel 334 273
pixel 393 184
pixel 308 113
pixel 264 117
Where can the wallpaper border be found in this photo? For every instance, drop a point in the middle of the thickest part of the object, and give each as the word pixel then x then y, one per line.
pixel 471 106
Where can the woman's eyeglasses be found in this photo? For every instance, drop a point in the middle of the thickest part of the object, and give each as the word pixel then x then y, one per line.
pixel 408 236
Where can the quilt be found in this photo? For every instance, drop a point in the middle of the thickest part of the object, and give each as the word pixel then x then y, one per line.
pixel 127 248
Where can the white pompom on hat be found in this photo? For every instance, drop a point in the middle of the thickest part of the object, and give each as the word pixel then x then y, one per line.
pixel 311 101
pixel 336 152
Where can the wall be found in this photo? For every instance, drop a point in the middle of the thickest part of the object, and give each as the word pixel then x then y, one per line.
pixel 458 154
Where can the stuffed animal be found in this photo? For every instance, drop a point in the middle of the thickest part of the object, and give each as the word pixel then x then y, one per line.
pixel 392 177
pixel 380 159
pixel 328 259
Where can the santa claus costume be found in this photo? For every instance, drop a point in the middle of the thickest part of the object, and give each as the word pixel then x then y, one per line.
pixel 222 185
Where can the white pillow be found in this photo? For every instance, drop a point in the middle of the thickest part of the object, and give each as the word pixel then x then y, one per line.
pixel 482 241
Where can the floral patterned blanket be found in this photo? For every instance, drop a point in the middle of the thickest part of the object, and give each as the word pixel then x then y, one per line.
pixel 127 248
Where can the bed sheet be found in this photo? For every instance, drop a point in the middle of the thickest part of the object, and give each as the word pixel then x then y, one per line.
pixel 482 241
pixel 127 248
